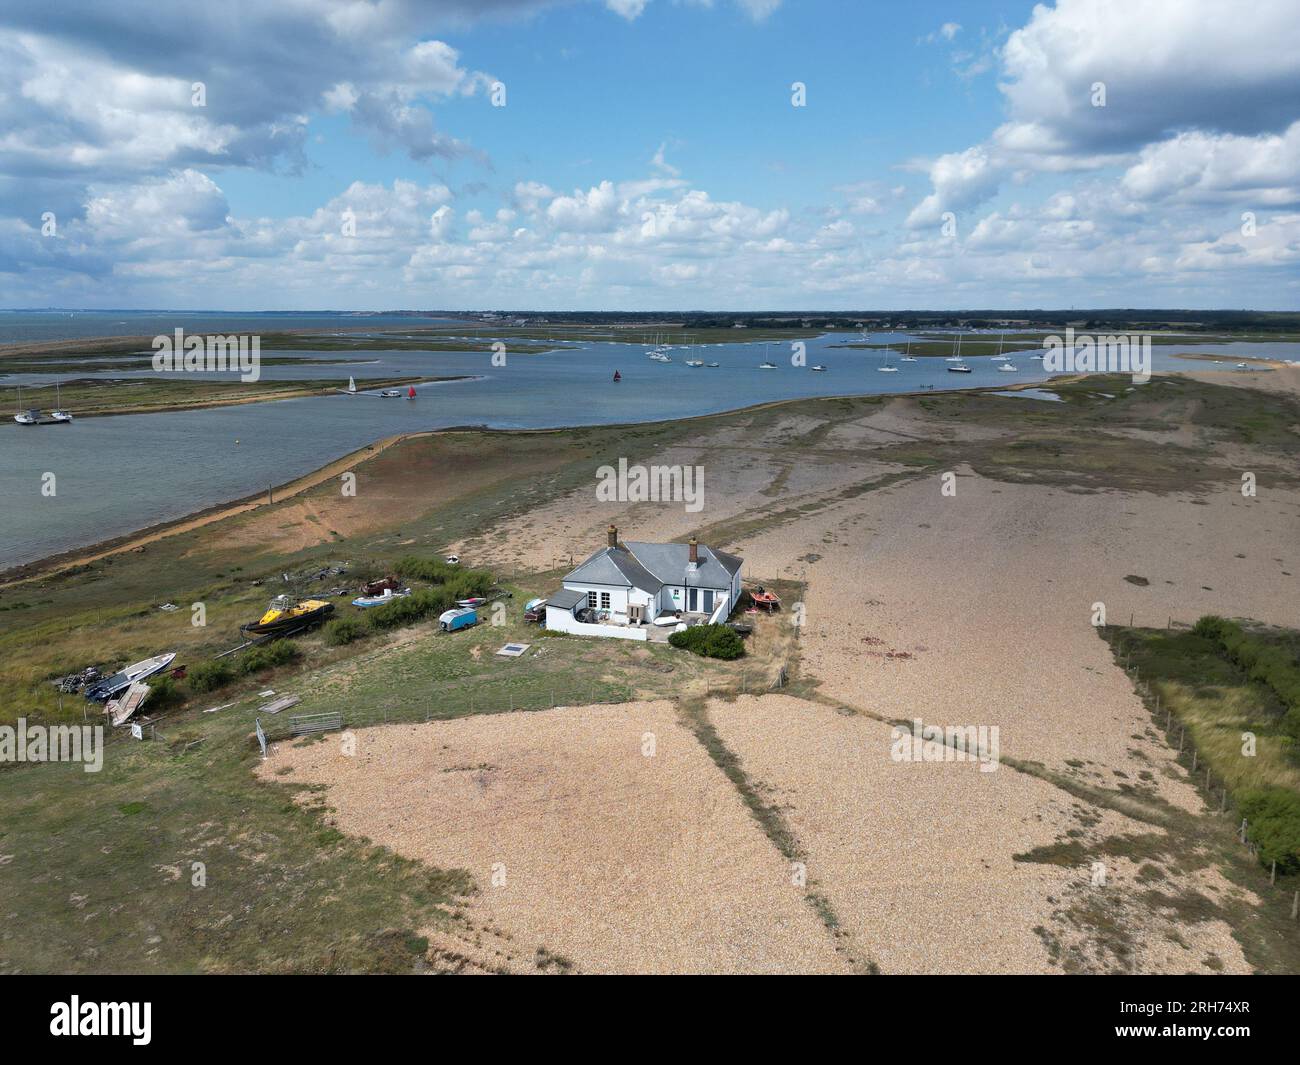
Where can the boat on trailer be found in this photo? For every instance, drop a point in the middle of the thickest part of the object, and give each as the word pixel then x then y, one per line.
pixel 284 617
pixel 380 598
pixel 129 675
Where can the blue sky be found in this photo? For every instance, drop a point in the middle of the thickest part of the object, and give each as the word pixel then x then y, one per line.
pixel 648 155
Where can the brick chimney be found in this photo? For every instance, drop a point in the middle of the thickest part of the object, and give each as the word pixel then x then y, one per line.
pixel 694 556
pixel 613 535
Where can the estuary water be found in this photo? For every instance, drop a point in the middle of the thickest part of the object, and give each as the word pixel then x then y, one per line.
pixel 115 475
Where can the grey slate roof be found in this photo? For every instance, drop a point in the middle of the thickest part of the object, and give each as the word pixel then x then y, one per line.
pixel 565 599
pixel 668 563
pixel 615 566
pixel 637 564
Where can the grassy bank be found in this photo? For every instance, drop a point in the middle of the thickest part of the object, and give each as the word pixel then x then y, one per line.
pixel 1245 732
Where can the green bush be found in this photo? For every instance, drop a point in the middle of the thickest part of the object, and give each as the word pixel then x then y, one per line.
pixel 343 630
pixel 1262 662
pixel 711 641
pixel 461 583
pixel 209 676
pixel 164 692
pixel 1273 817
pixel 411 608
pixel 268 656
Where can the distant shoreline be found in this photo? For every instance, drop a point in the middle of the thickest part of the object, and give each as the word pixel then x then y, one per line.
pixel 264 397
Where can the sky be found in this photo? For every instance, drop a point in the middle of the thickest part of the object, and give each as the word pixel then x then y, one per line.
pixel 649 154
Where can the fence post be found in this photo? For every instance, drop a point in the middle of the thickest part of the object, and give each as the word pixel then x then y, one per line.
pixel 1223 800
pixel 1182 735
pixel 1272 876
pixel 1195 752
pixel 1295 906
pixel 1242 830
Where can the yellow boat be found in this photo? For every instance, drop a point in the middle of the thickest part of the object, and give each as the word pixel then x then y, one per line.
pixel 285 616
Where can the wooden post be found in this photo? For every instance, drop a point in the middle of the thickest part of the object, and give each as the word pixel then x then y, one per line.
pixel 1182 735
pixel 1130 619
pixel 1207 778
pixel 1295 906
pixel 1272 876
pixel 1242 830
pixel 1223 801
pixel 1194 754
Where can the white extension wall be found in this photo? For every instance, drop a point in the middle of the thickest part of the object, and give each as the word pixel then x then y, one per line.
pixel 562 620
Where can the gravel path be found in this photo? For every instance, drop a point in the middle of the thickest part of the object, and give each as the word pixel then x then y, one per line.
pixel 613 860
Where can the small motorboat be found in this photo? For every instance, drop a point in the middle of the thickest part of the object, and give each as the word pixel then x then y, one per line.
pixel 762 597
pixel 695 362
pixel 1006 367
pixel 385 584
pixel 391 393
pixel 122 680
pixel 471 602
pixel 767 366
pixel 284 617
pixel 668 619
pixel 379 599
pixel 535 610
pixel 819 368
pixel 959 368
pixel 713 365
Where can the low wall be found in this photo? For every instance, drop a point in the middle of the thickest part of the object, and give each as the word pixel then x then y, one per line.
pixel 563 621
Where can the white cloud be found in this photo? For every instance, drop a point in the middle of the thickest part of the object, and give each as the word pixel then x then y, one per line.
pixel 1204 167
pixel 961 180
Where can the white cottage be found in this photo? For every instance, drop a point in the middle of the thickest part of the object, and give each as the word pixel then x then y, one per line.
pixel 629 585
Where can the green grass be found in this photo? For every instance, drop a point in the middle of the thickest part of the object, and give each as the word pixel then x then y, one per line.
pixel 100 875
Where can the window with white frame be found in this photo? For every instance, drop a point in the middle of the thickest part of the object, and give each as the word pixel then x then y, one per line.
pixel 591 600
pixel 604 600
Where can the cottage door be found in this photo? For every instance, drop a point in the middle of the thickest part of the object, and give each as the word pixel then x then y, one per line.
pixel 692 599
pixel 708 600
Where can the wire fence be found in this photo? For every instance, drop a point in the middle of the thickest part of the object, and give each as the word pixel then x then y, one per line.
pixel 1216 791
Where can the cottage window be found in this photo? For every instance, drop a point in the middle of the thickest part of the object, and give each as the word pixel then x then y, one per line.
pixel 604 600
pixel 591 600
